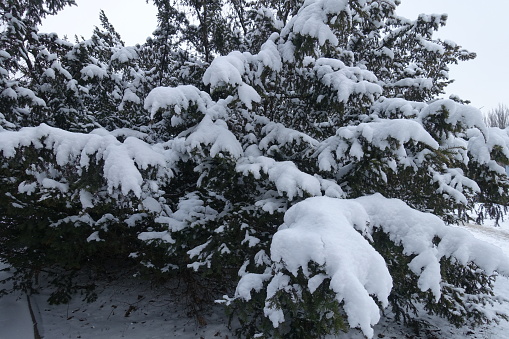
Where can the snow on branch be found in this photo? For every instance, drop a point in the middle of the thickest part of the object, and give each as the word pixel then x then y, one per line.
pixel 125 54
pixel 122 162
pixel 176 98
pixel 396 108
pixel 23 92
pixel 421 83
pixel 93 71
pixel 335 234
pixel 346 81
pixel 326 231
pixel 481 146
pixel 231 69
pixel 312 20
pixel 416 231
pixel 277 135
pixel 452 181
pixel 269 54
pixel 226 70
pixel 216 135
pixel 456 114
pixel 348 141
pixel 191 212
pixel 285 175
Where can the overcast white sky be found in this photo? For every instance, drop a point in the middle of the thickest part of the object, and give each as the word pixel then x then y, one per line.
pixel 479 26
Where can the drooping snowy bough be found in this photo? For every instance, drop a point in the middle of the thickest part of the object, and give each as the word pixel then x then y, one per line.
pixel 336 236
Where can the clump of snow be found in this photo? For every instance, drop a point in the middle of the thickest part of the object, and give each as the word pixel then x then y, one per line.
pixel 277 136
pixel 481 145
pixel 286 176
pixel 335 234
pixel 226 70
pixel 396 108
pixel 231 69
pixel 326 231
pixel 130 96
pixel 415 231
pixel 125 54
pixel 348 141
pixel 86 199
pixel 93 71
pixel 346 81
pixel 191 212
pixel 251 282
pixel 152 205
pixel 197 250
pixel 422 83
pixel 248 95
pixel 165 236
pixel 467 116
pixel 216 135
pixel 57 66
pixel 29 94
pixel 94 237
pixel 122 161
pixel 452 182
pixel 176 98
pixel 9 93
pixel 269 55
pixel 312 20
pixel 27 188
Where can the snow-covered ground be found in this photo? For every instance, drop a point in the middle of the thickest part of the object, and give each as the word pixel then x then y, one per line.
pixel 15 319
pixel 133 312
pixel 127 311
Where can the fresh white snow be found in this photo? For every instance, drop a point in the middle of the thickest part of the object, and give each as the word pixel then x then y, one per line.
pixel 133 311
pixel 15 319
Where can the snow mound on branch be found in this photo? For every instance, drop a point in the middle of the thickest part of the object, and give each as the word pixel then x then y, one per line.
pixel 325 231
pixel 285 175
pixel 248 95
pixel 226 70
pixel 121 161
pixel 277 135
pixel 230 70
pixel 333 233
pixel 216 135
pixel 312 20
pixel 93 71
pixel 416 231
pixel 164 236
pixel 452 182
pixel 191 211
pixel 176 98
pixel 269 55
pixel 481 145
pixel 130 96
pixel 29 94
pixel 468 116
pixel 422 83
pixel 380 132
pixel 233 70
pixel 348 141
pixel 397 107
pixel 125 54
pixel 346 81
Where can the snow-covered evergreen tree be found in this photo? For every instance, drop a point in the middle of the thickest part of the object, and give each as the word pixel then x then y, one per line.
pixel 289 157
pixel 21 47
